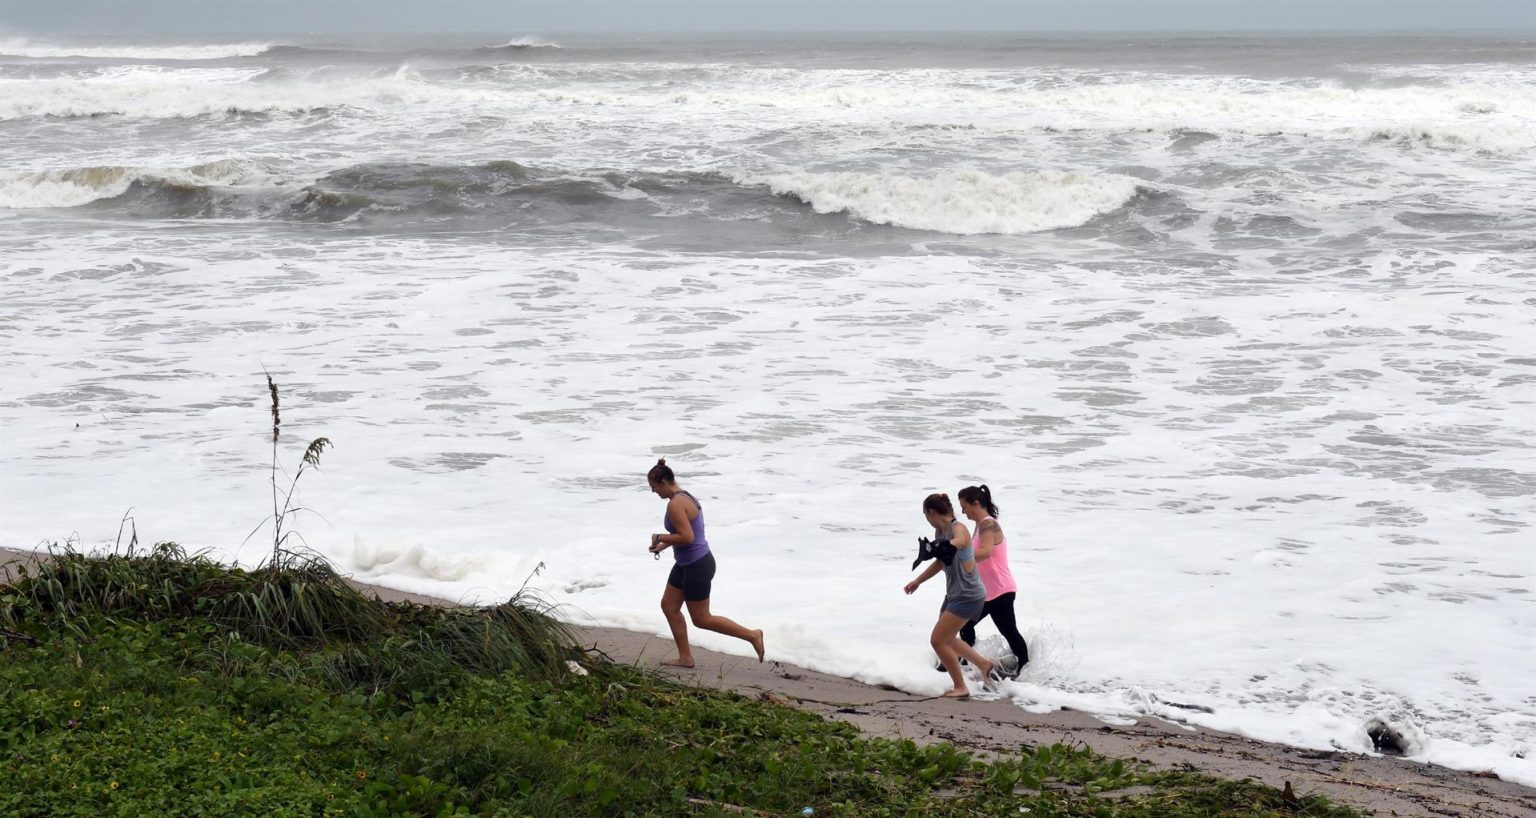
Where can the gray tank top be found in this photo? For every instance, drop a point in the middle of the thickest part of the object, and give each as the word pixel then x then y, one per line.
pixel 959 585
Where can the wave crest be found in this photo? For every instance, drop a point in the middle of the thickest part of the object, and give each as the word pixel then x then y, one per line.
pixel 72 187
pixel 964 202
pixel 520 43
pixel 392 192
pixel 959 202
pixel 19 47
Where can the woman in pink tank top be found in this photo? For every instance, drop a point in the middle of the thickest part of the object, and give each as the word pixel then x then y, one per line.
pixel 992 558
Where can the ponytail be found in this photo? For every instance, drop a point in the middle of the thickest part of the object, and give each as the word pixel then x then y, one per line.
pixel 981 495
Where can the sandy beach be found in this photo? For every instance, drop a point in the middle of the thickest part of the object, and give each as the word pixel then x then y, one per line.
pixel 1389 786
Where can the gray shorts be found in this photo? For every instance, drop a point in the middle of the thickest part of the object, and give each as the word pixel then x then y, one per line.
pixel 969 610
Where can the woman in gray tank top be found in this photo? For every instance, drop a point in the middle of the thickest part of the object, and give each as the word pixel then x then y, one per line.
pixel 964 595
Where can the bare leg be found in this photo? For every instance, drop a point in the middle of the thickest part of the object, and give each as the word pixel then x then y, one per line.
pixel 672 607
pixel 946 634
pixel 982 663
pixel 699 613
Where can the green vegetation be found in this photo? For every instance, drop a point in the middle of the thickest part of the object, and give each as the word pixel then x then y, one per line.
pixel 165 684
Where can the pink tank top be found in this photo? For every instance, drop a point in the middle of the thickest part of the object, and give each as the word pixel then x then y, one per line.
pixel 994 569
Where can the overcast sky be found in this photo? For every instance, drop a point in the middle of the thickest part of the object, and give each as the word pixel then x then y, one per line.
pixel 550 16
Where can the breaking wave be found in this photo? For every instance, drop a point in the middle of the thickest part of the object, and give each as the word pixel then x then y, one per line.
pixel 962 202
pixel 73 187
pixel 501 190
pixel 520 43
pixel 959 202
pixel 1470 117
pixel 17 47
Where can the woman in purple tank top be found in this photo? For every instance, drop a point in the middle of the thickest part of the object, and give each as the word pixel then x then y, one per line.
pixel 693 570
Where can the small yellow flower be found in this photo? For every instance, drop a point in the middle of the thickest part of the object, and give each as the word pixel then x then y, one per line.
pixel 361 775
pixel 114 785
pixel 55 758
pixel 77 703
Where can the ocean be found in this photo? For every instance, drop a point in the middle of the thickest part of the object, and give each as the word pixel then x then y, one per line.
pixel 1241 332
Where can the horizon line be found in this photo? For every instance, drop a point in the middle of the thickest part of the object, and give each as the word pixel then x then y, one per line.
pixel 1531 31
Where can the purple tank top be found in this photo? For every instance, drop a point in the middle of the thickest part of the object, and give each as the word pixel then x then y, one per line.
pixel 685 554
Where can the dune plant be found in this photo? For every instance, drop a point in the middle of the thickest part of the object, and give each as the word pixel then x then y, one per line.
pixel 284 509
pixel 304 604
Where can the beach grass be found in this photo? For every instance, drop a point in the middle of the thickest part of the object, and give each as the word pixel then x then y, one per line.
pixel 157 682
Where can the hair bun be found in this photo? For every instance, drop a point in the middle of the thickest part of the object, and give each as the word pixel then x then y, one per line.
pixel 661 461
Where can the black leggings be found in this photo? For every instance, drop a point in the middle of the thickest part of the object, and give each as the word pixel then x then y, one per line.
pixel 1001 611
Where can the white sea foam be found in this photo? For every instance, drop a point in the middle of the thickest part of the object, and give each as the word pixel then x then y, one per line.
pixel 1299 617
pixel 152 93
pixel 20 47
pixel 962 202
pixel 1492 117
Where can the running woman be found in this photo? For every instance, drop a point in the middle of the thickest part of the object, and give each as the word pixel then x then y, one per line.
pixel 964 596
pixel 992 557
pixel 693 570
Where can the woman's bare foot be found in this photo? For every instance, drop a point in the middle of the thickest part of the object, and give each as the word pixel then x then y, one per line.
pixel 958 693
pixel 757 644
pixel 988 681
pixel 677 663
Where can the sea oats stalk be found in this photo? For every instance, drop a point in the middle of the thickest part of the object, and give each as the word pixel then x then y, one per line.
pixel 311 459
pixel 277 421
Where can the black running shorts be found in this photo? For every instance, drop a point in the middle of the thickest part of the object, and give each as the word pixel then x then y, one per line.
pixel 694 578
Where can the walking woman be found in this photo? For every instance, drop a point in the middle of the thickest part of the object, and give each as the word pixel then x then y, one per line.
pixel 693 569
pixel 964 596
pixel 992 558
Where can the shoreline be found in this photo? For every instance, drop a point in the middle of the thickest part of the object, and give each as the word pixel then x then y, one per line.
pixel 1387 785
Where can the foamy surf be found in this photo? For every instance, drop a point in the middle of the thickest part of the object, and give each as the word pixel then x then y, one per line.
pixel 18 47
pixel 963 202
pixel 1474 115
